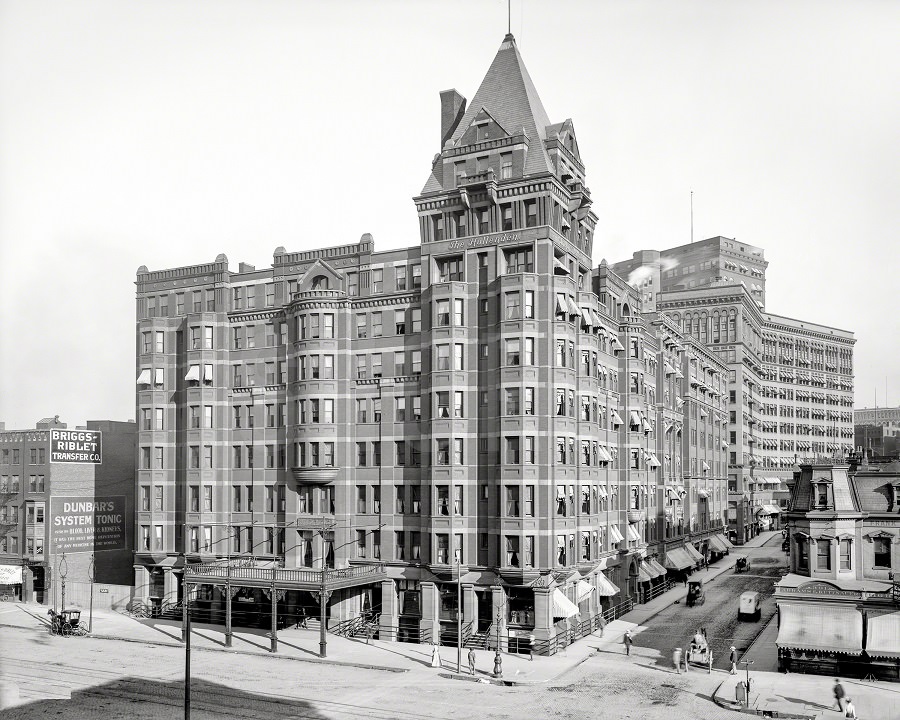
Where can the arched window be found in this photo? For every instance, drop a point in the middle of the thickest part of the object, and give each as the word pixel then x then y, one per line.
pixel 320 282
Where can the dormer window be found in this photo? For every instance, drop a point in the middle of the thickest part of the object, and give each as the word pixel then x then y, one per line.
pixel 320 282
pixel 823 493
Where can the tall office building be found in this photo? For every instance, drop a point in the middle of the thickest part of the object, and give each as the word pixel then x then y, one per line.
pixel 484 413
pixel 790 389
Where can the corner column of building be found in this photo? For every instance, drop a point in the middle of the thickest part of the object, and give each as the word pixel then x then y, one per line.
pixel 543 614
pixel 141 583
pixel 430 626
pixel 389 622
pixel 470 606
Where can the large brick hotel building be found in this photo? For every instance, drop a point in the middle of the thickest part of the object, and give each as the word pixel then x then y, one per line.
pixel 484 410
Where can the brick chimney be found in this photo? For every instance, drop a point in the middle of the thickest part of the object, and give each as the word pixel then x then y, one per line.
pixel 453 107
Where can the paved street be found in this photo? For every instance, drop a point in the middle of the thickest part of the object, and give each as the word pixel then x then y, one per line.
pixel 675 625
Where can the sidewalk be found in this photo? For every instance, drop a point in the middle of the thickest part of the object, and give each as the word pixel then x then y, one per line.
pixel 303 645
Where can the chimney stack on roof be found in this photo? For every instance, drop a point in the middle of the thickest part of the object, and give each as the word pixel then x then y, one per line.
pixel 453 107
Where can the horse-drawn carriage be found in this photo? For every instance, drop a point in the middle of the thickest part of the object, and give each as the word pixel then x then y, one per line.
pixel 695 594
pixel 66 623
pixel 698 652
pixel 741 564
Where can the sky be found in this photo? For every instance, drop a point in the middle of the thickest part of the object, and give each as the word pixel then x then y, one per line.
pixel 164 133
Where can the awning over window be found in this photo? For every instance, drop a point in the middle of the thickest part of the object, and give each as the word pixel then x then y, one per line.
pixel 643 575
pixel 883 636
pixel 604 455
pixel 573 307
pixel 602 491
pixel 597 321
pixel 193 373
pixel 561 305
pixel 144 377
pixel 678 373
pixel 679 403
pixel 583 590
pixel 678 559
pixel 660 570
pixel 605 587
pixel 705 466
pixel 633 534
pixel 829 628
pixel 645 423
pixel 614 535
pixel 672 494
pixel 716 544
pixel 586 317
pixel 669 370
pixel 653 461
pixel 635 418
pixel 562 606
pixel 616 418
pixel 617 345
pixel 724 445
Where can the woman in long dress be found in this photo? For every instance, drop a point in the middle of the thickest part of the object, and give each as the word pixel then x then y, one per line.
pixel 435 656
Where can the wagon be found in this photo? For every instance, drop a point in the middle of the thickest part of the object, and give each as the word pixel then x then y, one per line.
pixel 695 594
pixel 66 623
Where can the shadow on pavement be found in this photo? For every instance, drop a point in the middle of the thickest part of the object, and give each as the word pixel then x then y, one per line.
pixel 138 698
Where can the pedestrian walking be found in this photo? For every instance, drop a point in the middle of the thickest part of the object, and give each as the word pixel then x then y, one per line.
pixel 676 660
pixel 627 640
pixel 733 659
pixel 435 656
pixel 471 661
pixel 850 710
pixel 302 621
pixel 602 625
pixel 686 656
pixel 709 661
pixel 531 648
pixel 838 694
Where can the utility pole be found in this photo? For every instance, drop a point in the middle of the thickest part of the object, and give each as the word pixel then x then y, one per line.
pixel 187 647
pixel 458 614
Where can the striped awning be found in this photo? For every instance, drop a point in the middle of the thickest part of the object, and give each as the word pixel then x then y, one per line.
pixel 583 590
pixel 828 628
pixel 633 534
pixel 562 606
pixel 643 575
pixel 660 570
pixel 883 635
pixel 614 535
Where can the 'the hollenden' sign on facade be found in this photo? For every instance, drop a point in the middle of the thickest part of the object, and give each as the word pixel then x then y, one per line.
pixel 76 446
pixel 87 524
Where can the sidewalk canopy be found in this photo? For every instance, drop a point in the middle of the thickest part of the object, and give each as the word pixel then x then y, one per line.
pixel 827 628
pixel 728 543
pixel 883 636
pixel 716 544
pixel 643 575
pixel 605 586
pixel 562 606
pixel 660 570
pixel 678 559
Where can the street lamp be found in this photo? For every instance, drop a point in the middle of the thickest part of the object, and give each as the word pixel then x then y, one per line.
pixel 498 661
pixel 458 613
pixel 63 571
pixel 747 663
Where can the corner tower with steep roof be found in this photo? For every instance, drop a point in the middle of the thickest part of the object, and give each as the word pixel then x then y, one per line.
pixel 505 167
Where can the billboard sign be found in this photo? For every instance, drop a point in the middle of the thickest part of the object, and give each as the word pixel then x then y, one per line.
pixel 76 446
pixel 79 524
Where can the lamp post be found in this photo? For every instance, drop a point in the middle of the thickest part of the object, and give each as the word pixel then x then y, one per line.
pixel 187 645
pixel 747 664
pixel 91 611
pixel 458 615
pixel 63 571
pixel 498 661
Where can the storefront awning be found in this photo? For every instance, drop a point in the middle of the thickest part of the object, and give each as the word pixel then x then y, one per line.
pixel 724 540
pixel 605 587
pixel 716 544
pixel 660 570
pixel 828 628
pixel 643 575
pixel 693 552
pixel 768 510
pixel 678 559
pixel 883 636
pixel 583 590
pixel 614 535
pixel 562 606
